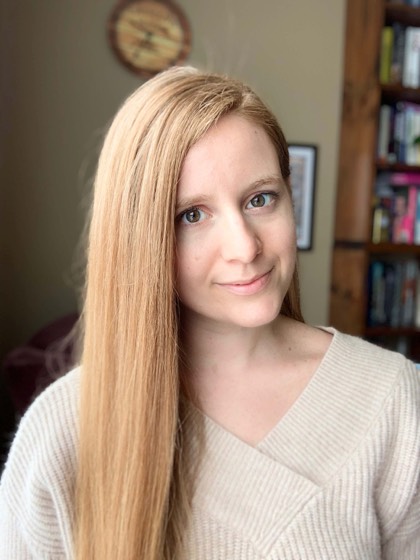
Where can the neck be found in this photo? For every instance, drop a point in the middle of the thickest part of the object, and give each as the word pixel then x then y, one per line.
pixel 213 348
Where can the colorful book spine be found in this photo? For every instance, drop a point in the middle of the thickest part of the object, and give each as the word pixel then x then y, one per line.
pixel 384 132
pixel 417 220
pixel 412 133
pixel 397 62
pixel 403 214
pixel 411 212
pixel 417 309
pixel 381 223
pixel 376 311
pixel 411 70
pixel 403 179
pixel 408 293
pixel 389 289
pixel 387 41
pixel 399 132
pixel 395 319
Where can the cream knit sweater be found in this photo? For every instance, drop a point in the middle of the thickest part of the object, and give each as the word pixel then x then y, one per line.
pixel 336 479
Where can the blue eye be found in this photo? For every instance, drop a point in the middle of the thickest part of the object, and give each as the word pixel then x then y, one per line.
pixel 191 216
pixel 260 200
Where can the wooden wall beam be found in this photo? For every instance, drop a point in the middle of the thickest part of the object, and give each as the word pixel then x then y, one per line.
pixel 361 99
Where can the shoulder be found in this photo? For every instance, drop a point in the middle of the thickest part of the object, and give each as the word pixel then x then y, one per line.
pixel 48 429
pixel 361 397
pixel 379 384
pixel 353 381
pixel 365 364
pixel 351 362
pixel 38 481
pixel 380 390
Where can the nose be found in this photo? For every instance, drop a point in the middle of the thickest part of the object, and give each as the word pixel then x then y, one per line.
pixel 240 241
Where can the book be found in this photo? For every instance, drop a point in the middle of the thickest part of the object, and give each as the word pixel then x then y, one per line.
pixel 412 133
pixel 389 291
pixel 399 131
pixel 408 293
pixel 387 41
pixel 384 132
pixel 395 318
pixel 403 214
pixel 417 306
pixel 411 69
pixel 417 220
pixel 381 223
pixel 403 179
pixel 397 59
pixel 376 298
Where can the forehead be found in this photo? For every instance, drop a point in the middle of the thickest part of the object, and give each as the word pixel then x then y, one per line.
pixel 233 149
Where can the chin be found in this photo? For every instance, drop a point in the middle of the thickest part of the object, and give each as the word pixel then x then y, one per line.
pixel 257 318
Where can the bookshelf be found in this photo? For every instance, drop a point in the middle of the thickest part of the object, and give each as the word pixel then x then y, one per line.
pixel 358 172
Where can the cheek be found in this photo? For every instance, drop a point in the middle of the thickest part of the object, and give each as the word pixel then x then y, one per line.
pixel 291 227
pixel 293 236
pixel 283 234
pixel 188 266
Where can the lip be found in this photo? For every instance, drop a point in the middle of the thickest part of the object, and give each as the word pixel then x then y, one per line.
pixel 248 287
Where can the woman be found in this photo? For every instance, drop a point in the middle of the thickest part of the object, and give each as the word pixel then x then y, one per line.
pixel 207 421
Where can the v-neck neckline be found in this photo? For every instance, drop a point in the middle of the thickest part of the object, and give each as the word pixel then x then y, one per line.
pixel 333 410
pixel 303 398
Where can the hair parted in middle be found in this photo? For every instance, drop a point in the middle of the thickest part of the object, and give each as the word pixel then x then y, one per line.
pixel 131 477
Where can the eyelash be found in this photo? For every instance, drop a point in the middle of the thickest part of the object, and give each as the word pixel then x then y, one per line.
pixel 274 196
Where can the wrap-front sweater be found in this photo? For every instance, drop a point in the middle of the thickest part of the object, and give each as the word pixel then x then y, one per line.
pixel 336 479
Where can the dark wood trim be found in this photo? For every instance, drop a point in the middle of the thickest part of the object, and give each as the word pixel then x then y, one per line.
pixel 361 100
pixel 408 15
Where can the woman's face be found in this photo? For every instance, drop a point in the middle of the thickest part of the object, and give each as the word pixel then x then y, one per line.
pixel 236 244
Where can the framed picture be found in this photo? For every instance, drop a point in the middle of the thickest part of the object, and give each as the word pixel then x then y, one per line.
pixel 303 159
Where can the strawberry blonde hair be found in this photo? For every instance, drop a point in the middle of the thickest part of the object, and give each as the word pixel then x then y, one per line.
pixel 135 465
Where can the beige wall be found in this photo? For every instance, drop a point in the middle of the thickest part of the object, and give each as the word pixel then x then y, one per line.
pixel 61 84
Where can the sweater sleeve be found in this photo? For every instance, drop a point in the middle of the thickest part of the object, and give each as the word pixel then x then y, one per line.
pixel 399 492
pixel 36 488
pixel 13 546
pixel 405 543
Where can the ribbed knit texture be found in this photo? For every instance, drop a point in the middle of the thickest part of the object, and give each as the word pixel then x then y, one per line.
pixel 336 479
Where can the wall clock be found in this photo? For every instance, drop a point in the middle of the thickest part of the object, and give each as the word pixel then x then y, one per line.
pixel 148 36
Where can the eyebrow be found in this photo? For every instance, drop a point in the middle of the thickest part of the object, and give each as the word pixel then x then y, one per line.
pixel 190 202
pixel 269 180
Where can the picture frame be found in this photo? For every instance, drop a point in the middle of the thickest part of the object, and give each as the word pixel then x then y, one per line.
pixel 303 164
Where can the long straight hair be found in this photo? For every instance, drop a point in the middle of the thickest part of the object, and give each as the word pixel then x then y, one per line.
pixel 135 465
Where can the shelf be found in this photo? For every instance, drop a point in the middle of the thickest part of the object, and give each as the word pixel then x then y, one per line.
pixel 353 250
pixel 391 331
pixel 378 248
pixel 397 92
pixel 401 167
pixel 408 15
pixel 393 249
